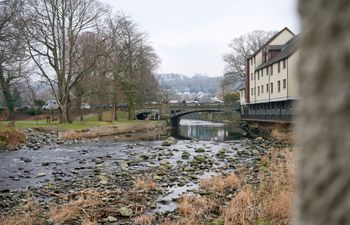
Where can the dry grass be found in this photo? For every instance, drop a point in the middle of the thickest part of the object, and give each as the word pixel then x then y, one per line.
pixel 193 210
pixel 145 184
pixel 220 183
pixel 281 135
pixel 145 219
pixel 32 215
pixel 269 202
pixel 83 206
pixel 240 209
pixel 272 200
pixel 276 192
pixel 11 137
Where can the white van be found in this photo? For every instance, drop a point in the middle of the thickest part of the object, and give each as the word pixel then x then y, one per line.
pixel 51 104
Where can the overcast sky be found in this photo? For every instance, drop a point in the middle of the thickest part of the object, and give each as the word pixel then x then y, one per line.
pixel 190 36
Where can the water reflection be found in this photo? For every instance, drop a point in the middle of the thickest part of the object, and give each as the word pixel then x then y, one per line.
pixel 203 130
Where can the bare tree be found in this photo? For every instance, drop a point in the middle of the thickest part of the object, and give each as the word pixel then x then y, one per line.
pixel 241 48
pixel 136 62
pixel 53 28
pixel 12 51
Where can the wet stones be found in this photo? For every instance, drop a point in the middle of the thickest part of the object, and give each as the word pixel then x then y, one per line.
pixel 169 141
pixel 125 211
pixel 25 159
pixel 221 153
pixel 199 150
pixel 40 175
pixel 185 155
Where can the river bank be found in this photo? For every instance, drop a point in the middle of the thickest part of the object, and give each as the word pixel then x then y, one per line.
pixel 127 182
pixel 51 137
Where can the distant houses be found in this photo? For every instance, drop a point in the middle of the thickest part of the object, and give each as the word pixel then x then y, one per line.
pixel 272 85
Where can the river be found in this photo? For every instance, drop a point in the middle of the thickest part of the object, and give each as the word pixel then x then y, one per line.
pixel 80 166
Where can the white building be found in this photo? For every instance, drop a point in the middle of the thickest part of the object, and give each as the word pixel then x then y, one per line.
pixel 272 79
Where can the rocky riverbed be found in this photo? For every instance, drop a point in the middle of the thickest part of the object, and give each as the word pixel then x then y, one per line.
pixel 49 167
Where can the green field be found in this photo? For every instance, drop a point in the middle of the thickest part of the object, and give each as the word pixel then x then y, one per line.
pixel 89 121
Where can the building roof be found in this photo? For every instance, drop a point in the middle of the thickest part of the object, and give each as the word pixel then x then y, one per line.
pixel 269 41
pixel 289 48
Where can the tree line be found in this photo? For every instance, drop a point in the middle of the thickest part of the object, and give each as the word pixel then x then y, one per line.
pixel 80 49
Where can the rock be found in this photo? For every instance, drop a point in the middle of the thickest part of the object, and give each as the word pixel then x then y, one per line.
pixel 165 143
pixel 125 211
pixel 199 159
pixel 49 222
pixel 199 150
pixel 164 164
pixel 111 219
pixel 240 152
pixel 157 178
pixel 185 155
pixel 25 159
pixel 40 175
pixel 144 157
pixel 169 141
pixel 255 152
pixel 221 153
pixel 123 164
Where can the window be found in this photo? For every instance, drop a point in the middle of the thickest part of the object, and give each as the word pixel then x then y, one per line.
pixel 279 86
pixel 258 75
pixel 267 87
pixel 251 91
pixel 258 90
pixel 262 89
pixel 279 66
pixel 271 69
pixel 251 76
pixel 284 83
pixel 267 70
pixel 254 76
pixel 251 62
pixel 254 59
pixel 262 73
pixel 284 63
pixel 271 88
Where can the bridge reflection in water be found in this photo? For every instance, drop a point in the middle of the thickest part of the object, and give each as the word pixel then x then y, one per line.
pixel 203 130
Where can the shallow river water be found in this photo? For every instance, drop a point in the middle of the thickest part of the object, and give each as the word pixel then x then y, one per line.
pixel 24 169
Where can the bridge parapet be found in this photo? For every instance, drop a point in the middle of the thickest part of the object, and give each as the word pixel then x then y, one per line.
pixel 171 110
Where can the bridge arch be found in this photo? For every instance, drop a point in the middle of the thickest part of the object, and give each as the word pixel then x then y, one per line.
pixel 175 120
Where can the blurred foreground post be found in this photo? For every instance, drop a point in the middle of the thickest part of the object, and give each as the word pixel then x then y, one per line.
pixel 324 125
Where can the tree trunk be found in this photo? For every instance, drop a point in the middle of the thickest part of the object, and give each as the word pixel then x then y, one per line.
pixel 131 109
pixel 64 109
pixel 115 107
pixel 64 114
pixel 324 125
pixel 100 108
pixel 6 91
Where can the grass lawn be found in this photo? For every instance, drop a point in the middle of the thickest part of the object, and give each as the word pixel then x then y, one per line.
pixel 89 121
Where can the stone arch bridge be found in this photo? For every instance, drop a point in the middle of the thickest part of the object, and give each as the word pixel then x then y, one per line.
pixel 174 112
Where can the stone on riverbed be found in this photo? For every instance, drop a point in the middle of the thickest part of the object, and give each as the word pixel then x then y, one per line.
pixel 40 175
pixel 221 153
pixel 199 150
pixel 125 211
pixel 169 141
pixel 185 155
